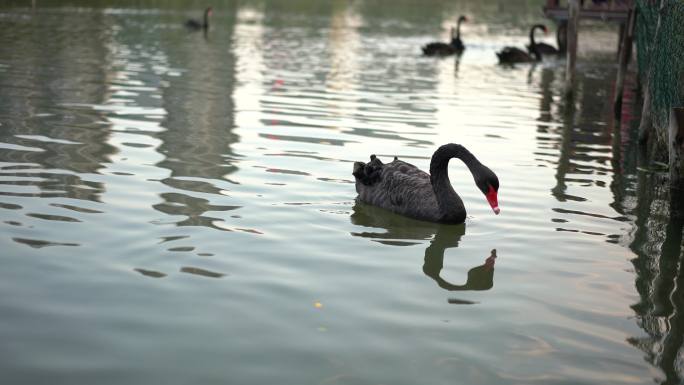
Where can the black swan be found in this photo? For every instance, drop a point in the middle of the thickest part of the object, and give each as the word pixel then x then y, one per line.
pixel 510 55
pixel 404 189
pixel 196 25
pixel 542 48
pixel 445 49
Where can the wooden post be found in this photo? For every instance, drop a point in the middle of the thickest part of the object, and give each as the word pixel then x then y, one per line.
pixel 646 123
pixel 573 24
pixel 625 53
pixel 562 36
pixel 676 149
pixel 621 38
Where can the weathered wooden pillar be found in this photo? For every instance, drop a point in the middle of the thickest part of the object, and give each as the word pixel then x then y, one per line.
pixel 676 149
pixel 573 24
pixel 621 38
pixel 646 123
pixel 562 36
pixel 625 54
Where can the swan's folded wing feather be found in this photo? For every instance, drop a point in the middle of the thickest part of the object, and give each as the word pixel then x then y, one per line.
pixel 407 190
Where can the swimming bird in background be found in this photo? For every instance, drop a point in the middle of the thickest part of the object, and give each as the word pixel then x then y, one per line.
pixel 445 49
pixel 511 55
pixel 404 189
pixel 542 48
pixel 197 25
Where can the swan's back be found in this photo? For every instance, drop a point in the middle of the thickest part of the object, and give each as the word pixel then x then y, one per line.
pixel 543 48
pixel 397 186
pixel 443 49
pixel 193 24
pixel 437 49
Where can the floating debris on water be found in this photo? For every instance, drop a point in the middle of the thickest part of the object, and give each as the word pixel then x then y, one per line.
pixel 456 301
pixel 202 272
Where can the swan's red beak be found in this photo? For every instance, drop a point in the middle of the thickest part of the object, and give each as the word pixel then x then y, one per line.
pixel 493 200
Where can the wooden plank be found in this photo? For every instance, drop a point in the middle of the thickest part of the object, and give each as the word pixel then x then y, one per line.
pixel 559 14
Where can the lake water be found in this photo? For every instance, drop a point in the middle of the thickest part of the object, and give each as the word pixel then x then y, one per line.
pixel 178 208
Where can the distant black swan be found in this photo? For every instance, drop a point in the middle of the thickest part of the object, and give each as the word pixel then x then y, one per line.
pixel 542 48
pixel 443 49
pixel 404 189
pixel 510 55
pixel 196 25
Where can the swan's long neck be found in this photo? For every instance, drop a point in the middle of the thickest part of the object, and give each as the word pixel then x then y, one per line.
pixel 450 204
pixel 532 42
pixel 458 29
pixel 206 19
pixel 534 28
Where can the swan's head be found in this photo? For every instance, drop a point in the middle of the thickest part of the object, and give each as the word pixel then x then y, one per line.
pixel 488 183
pixel 542 27
pixel 462 19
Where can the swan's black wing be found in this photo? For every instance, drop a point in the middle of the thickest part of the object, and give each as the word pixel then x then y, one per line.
pixel 405 184
pixel 396 186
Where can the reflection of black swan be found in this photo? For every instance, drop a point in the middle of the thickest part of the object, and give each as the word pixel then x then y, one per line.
pixel 445 49
pixel 542 48
pixel 479 277
pixel 510 55
pixel 404 189
pixel 197 25
pixel 384 227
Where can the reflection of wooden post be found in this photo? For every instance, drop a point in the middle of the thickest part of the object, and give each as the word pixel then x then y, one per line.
pixel 573 24
pixel 625 54
pixel 676 148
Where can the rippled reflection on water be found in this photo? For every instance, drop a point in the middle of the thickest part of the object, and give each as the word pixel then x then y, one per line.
pixel 179 208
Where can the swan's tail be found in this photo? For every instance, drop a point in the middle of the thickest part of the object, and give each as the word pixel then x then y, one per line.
pixel 368 173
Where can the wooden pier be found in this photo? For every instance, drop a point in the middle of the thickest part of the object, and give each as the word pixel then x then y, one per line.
pixel 604 10
pixel 567 15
